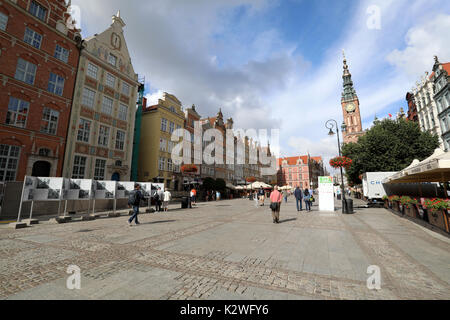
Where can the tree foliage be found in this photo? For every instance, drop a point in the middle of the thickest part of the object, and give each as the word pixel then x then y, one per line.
pixel 390 145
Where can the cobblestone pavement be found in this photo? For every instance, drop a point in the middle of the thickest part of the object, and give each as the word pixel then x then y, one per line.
pixel 227 250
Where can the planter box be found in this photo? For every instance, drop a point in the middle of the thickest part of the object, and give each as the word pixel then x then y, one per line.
pixel 396 206
pixel 386 204
pixel 412 211
pixel 439 219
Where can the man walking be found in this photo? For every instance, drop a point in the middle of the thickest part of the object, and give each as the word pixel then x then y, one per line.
pixel 298 193
pixel 161 199
pixel 261 196
pixel 167 196
pixel 275 204
pixel 134 201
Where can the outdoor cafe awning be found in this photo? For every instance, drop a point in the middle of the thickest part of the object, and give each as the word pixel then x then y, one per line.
pixel 436 168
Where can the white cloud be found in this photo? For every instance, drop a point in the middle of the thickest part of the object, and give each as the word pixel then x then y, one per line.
pixel 423 42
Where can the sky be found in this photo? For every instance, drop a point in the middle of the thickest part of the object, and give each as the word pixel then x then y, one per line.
pixel 277 64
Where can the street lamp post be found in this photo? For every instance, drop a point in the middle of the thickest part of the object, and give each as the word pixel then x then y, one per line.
pixel 331 124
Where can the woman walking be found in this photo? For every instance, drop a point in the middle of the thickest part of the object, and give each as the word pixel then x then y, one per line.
pixel 275 199
pixel 307 199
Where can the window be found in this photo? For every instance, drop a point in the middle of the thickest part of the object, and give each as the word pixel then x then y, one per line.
pixel 123 112
pixel 444 125
pixel 84 130
pixel 176 168
pixel 25 71
pixel 171 127
pixel 161 163
pixel 120 140
pixel 99 171
pixel 169 165
pixel 112 59
pixel 3 21
pixel 163 145
pixel 37 10
pixel 33 38
pixel 56 84
pixel 44 152
pixel 50 121
pixel 103 136
pixel 432 119
pixel 110 80
pixel 172 108
pixel 163 124
pixel 61 53
pixel 79 167
pixel 88 98
pixel 170 146
pixel 125 89
pixel 92 71
pixel 107 105
pixel 17 112
pixel 9 159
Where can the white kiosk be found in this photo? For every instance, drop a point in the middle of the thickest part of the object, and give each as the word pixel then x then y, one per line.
pixel 326 194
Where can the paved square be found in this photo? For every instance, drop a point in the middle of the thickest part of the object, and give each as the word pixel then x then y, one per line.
pixel 227 250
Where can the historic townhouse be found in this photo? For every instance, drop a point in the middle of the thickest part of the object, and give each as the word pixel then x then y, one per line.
pixel 101 130
pixel 427 111
pixel 155 152
pixel 38 66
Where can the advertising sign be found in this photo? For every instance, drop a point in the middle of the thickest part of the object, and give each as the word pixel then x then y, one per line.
pixel 78 189
pixel 124 189
pixel 105 189
pixel 326 194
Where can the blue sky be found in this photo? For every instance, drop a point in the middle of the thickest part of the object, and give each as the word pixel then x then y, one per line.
pixel 278 63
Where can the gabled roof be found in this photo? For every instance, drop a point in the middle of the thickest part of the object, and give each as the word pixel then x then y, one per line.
pixel 292 161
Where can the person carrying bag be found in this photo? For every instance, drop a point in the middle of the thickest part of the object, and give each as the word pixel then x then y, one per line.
pixel 275 205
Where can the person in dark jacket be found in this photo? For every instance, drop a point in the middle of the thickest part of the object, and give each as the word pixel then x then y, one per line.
pixel 298 193
pixel 137 200
pixel 307 199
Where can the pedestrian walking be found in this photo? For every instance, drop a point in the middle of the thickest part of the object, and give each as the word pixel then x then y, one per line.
pixel 307 198
pixel 193 196
pixel 298 194
pixel 262 196
pixel 167 196
pixel 275 204
pixel 134 201
pixel 285 195
pixel 217 195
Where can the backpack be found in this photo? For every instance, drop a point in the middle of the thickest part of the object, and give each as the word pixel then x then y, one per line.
pixel 132 198
pixel 156 196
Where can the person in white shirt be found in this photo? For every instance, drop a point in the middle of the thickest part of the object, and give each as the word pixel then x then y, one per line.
pixel 167 197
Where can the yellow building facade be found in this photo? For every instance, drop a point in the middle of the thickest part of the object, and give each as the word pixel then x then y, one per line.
pixel 158 124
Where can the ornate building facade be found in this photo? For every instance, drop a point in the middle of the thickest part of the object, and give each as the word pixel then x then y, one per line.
pixel 101 129
pixel 39 55
pixel 441 94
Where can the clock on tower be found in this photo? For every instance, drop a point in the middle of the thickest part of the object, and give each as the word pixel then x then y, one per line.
pixel 350 108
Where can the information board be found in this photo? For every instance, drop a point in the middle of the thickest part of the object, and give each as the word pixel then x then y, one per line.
pixel 105 189
pixel 326 194
pixel 42 189
pixel 124 189
pixel 78 189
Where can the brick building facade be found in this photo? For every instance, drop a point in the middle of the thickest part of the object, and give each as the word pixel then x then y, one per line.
pixel 38 65
pixel 302 171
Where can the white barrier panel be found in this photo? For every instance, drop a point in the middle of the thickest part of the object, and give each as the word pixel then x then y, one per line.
pixel 43 189
pixel 146 189
pixel 326 194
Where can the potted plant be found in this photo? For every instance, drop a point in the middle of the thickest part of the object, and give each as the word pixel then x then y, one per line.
pixel 438 213
pixel 410 206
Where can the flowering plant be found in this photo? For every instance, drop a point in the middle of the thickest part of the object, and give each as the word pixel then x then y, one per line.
pixel 385 198
pixel 189 168
pixel 408 201
pixel 341 162
pixel 251 179
pixel 436 204
pixel 394 198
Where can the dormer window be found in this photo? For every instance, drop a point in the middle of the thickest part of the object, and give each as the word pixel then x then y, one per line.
pixel 37 10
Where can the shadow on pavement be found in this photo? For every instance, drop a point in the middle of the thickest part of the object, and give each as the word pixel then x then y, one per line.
pixel 157 222
pixel 288 220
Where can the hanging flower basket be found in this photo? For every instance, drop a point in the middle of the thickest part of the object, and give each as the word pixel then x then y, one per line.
pixel 189 168
pixel 341 162
pixel 251 179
